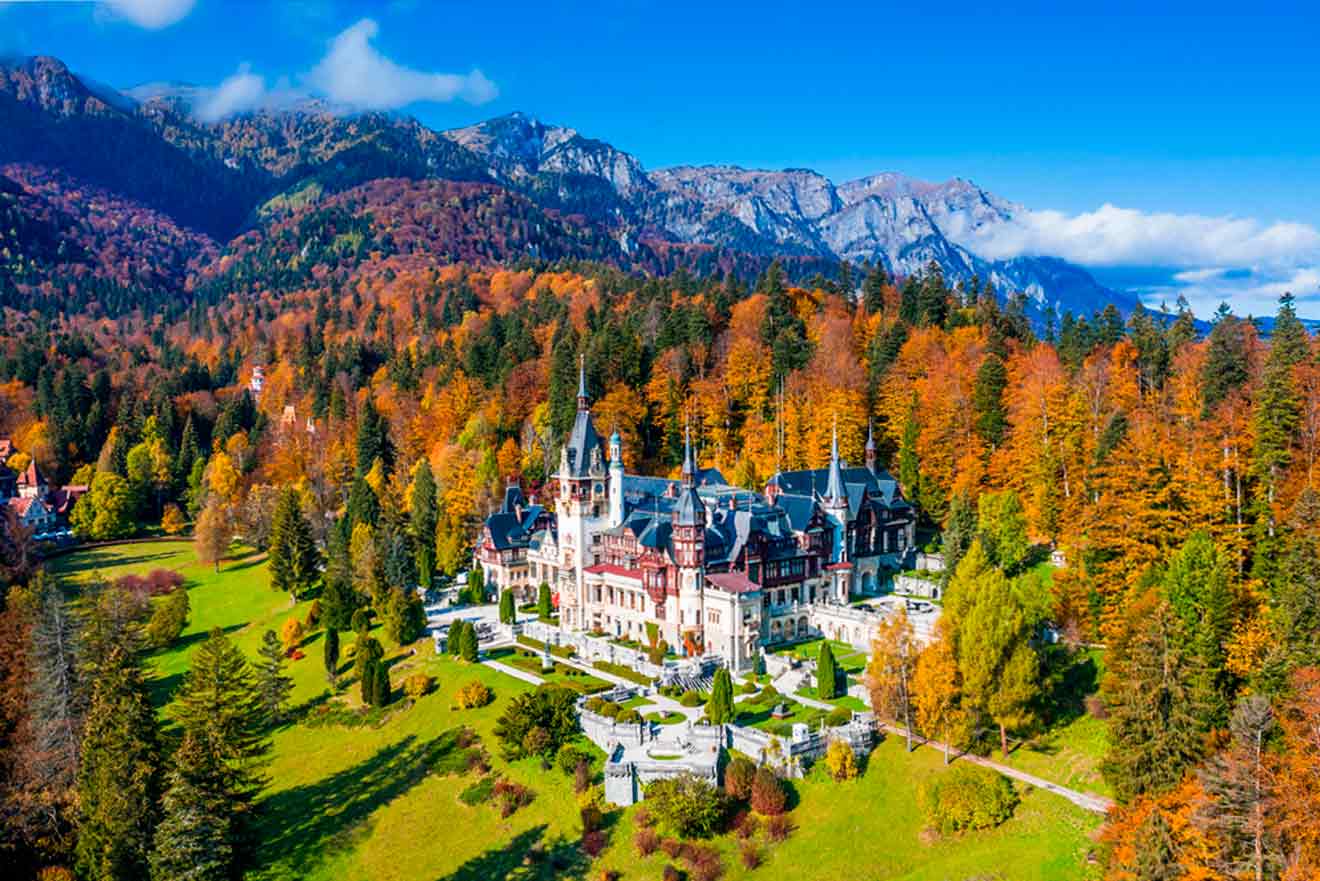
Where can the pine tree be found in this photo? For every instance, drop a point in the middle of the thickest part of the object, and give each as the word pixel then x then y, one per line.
pixel 827 673
pixel 959 533
pixel 221 708
pixel 1226 367
pixel 331 655
pixel 719 707
pixel 909 466
pixel 367 681
pixel 1274 425
pixel 507 611
pixel 1294 609
pixel 424 521
pixel 405 617
pixel 1150 693
pixel 373 440
pixel 1157 855
pixel 195 840
pixel 294 560
pixel 119 774
pixel 1198 589
pixel 273 686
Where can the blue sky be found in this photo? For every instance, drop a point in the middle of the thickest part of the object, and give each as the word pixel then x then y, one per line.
pixel 1179 120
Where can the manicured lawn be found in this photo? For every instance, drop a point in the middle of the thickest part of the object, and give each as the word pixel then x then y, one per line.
pixel 848 658
pixel 381 802
pixel 562 674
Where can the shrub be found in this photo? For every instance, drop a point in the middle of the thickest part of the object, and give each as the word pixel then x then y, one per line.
pixel 748 687
pixel 593 843
pixel 168 619
pixel 592 797
pixel 746 825
pixel 778 827
pixel 687 806
pixel 1095 707
pixel 691 699
pixel 474 694
pixel 769 797
pixel 967 797
pixel 592 818
pixel 642 817
pixel 646 841
pixel 582 776
pixel 172 521
pixel 704 862
pixel 738 778
pixel 510 796
pixel 769 694
pixel 628 716
pixel 750 854
pixel 550 708
pixel 609 875
pixel 609 709
pixel 418 685
pixel 478 792
pixel 536 742
pixel 568 757
pixel 838 716
pixel 291 634
pixel 672 847
pixel 671 873
pixel 840 761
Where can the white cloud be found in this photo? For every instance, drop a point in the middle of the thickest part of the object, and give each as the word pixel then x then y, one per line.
pixel 238 93
pixel 353 72
pixel 152 14
pixel 1113 236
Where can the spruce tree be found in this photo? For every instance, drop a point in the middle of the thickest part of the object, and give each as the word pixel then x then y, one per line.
pixel 119 779
pixel 339 599
pixel 381 693
pixel 331 655
pixel 507 611
pixel 294 560
pixel 1150 693
pixel 367 681
pixel 424 521
pixel 196 836
pixel 1198 588
pixel 1226 362
pixel 273 686
pixel 959 533
pixel 827 673
pixel 988 400
pixel 1294 609
pixel 221 708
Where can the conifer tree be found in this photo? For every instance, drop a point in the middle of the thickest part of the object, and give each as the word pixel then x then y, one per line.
pixel 1294 609
pixel 719 707
pixel 827 673
pixel 467 648
pixel 339 600
pixel 959 533
pixel 1150 693
pixel 272 684
pixel 424 521
pixel 1239 791
pixel 196 836
pixel 1226 367
pixel 367 650
pixel 367 681
pixel 381 693
pixel 373 440
pixel 1274 426
pixel 294 560
pixel 544 602
pixel 220 707
pixel 331 655
pixel 1197 587
pixel 988 400
pixel 119 775
pixel 507 611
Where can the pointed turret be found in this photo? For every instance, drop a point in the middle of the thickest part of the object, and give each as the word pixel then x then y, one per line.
pixel 834 491
pixel 870 445
pixel 689 466
pixel 582 402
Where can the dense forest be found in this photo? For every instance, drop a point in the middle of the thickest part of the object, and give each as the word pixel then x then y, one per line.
pixel 1175 471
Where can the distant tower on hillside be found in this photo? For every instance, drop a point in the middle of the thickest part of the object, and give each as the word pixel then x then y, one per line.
pixel 257 382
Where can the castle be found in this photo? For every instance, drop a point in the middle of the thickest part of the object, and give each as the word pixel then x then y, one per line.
pixel 710 568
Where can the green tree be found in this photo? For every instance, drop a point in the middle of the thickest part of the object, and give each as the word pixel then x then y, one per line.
pixel 272 684
pixel 507 612
pixel 339 599
pixel 988 400
pixel 686 806
pixel 196 836
pixel 425 518
pixel 405 616
pixel 168 618
pixel 1274 423
pixel 381 693
pixel 827 673
pixel 367 681
pixel 331 655
pixel 467 646
pixel 366 650
pixel 119 780
pixel 959 533
pixel 295 562
pixel 220 708
pixel 1149 691
pixel 105 511
pixel 1294 608
pixel 1197 585
pixel 1226 361
pixel 1002 527
pixel 719 708
pixel 544 602
pixel 552 709
pixel 476 586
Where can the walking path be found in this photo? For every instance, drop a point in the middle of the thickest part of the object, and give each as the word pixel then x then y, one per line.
pixel 1087 801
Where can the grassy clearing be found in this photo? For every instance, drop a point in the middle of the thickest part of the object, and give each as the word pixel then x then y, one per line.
pixel 383 801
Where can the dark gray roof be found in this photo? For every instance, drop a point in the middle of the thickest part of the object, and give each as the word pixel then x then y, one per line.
pixel 581 442
pixel 689 508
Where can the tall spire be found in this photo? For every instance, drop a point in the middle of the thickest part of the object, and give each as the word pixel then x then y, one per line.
pixel 689 467
pixel 870 445
pixel 582 382
pixel 834 491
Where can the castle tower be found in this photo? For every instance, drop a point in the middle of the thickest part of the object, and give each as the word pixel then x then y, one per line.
pixel 835 505
pixel 870 446
pixel 688 536
pixel 582 507
pixel 616 479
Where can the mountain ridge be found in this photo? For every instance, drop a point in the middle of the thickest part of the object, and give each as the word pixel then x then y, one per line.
pixel 225 176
